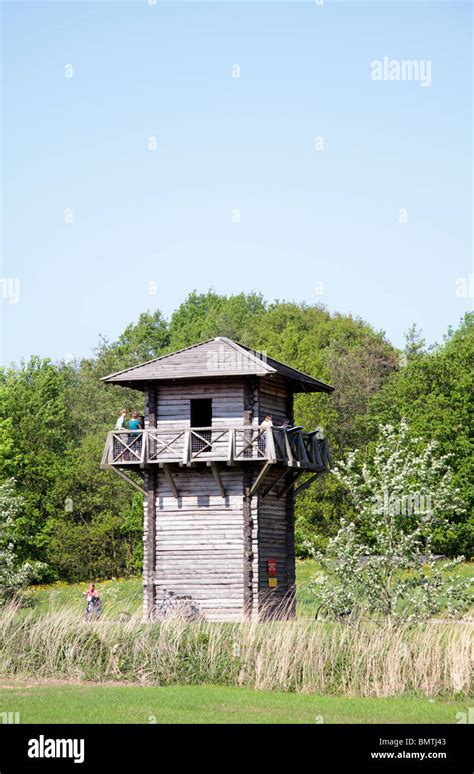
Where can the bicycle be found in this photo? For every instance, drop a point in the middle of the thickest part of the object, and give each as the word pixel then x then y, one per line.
pixel 177 606
pixel 325 614
pixel 93 609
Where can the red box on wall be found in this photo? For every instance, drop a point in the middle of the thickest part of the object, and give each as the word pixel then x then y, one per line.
pixel 271 567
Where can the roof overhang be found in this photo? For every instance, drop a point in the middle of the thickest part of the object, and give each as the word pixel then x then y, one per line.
pixel 219 358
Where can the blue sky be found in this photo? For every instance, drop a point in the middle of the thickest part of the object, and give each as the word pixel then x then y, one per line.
pixel 315 225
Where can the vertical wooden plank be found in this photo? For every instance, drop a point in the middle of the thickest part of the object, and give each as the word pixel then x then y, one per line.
pixel 151 404
pixel 149 532
pixel 248 553
pixel 187 447
pixel 249 387
pixel 149 547
pixel 231 445
pixel 248 416
pixel 290 552
pixel 250 508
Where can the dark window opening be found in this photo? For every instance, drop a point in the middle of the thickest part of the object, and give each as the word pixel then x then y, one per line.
pixel 201 412
pixel 201 416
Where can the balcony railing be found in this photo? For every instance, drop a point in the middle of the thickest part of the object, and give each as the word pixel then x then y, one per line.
pixel 143 448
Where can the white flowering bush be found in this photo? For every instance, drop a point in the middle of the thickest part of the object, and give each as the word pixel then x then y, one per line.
pixel 381 564
pixel 13 575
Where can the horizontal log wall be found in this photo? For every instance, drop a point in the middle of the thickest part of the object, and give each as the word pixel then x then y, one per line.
pixel 150 406
pixel 173 407
pixel 149 537
pixel 290 552
pixel 255 555
pixel 200 540
pixel 273 399
pixel 274 543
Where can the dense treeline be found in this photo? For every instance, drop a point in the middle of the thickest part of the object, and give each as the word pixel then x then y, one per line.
pixel 54 417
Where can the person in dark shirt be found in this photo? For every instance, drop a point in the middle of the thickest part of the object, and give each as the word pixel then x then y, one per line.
pixel 135 439
pixel 134 423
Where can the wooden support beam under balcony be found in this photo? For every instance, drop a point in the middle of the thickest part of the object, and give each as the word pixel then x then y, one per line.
pixel 297 474
pixel 217 476
pixel 260 477
pixel 307 483
pixel 169 477
pixel 269 488
pixel 128 479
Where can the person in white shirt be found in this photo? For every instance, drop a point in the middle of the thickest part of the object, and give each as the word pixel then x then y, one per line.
pixel 119 425
pixel 265 434
pixel 120 442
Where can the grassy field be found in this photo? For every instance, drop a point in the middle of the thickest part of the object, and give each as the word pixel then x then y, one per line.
pixel 125 594
pixel 82 703
pixel 56 668
pixel 431 660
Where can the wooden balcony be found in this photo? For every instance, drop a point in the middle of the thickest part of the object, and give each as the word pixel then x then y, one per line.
pixel 141 449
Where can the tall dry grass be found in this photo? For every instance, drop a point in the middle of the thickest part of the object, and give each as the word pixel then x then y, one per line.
pixel 354 660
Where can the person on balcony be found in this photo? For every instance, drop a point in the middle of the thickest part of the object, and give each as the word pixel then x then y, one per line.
pixel 265 433
pixel 134 440
pixel 121 422
pixel 119 441
pixel 134 423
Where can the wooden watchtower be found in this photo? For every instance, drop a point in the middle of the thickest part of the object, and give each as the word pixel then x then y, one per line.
pixel 218 489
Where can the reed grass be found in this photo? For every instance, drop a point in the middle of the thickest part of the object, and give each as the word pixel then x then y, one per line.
pixel 360 659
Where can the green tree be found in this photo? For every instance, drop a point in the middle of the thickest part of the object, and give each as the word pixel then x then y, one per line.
pixel 381 562
pixel 34 415
pixel 434 393
pixel 141 341
pixel 14 574
pixel 206 315
pixel 54 419
pixel 96 528
pixel 415 344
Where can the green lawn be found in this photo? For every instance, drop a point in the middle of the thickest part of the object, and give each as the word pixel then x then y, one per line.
pixel 82 703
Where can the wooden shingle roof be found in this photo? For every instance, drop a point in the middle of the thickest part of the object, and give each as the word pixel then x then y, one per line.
pixel 216 357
